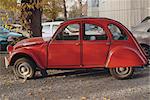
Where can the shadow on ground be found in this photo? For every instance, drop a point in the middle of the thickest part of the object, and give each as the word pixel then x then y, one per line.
pixel 78 73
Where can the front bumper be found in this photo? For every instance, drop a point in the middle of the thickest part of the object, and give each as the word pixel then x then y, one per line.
pixel 6 62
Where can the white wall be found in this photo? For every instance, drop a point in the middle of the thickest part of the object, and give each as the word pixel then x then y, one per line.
pixel 128 12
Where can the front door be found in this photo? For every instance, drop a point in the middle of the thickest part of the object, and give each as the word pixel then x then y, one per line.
pixel 64 50
pixel 95 45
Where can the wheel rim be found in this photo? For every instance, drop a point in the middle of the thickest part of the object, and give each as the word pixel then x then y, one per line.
pixel 123 71
pixel 24 69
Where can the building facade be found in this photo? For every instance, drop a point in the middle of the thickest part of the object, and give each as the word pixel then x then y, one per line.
pixel 128 12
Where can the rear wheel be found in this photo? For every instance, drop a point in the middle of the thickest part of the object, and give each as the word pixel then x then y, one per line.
pixel 121 73
pixel 24 68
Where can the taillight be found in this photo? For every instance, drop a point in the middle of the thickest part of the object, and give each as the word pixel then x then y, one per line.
pixel 10 48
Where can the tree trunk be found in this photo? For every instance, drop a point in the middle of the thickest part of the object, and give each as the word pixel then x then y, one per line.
pixel 36 27
pixel 80 5
pixel 65 10
pixel 31 18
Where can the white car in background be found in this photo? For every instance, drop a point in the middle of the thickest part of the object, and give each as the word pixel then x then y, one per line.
pixel 49 28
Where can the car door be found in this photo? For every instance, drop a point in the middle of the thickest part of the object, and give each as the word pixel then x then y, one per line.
pixel 64 49
pixel 96 45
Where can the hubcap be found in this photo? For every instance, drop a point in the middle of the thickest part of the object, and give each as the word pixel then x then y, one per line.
pixel 24 69
pixel 122 71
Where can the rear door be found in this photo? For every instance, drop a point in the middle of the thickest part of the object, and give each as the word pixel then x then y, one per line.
pixel 95 45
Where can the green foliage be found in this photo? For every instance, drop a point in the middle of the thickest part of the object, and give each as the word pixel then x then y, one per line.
pixel 74 12
pixel 10 5
pixel 8 8
pixel 29 8
pixel 51 8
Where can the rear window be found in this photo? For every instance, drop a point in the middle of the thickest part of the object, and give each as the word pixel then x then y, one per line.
pixel 117 33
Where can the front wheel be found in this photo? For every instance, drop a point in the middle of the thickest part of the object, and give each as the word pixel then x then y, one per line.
pixel 121 73
pixel 24 68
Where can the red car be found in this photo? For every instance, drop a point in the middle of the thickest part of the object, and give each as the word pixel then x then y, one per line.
pixel 80 43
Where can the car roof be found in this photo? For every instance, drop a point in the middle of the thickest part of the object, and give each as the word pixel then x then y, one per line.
pixel 92 18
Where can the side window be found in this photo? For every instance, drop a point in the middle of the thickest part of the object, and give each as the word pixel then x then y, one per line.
pixel 94 32
pixel 117 33
pixel 70 32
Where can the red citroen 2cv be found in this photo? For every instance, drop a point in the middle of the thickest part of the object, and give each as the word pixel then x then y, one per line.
pixel 79 43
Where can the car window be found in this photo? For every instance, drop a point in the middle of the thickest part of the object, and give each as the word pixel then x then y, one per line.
pixel 70 32
pixel 46 29
pixel 148 30
pixel 94 32
pixel 117 33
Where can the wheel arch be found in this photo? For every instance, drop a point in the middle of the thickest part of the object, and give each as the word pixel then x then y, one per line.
pixel 21 55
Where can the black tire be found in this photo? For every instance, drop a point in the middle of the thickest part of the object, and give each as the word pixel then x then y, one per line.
pixel 24 68
pixel 146 49
pixel 122 73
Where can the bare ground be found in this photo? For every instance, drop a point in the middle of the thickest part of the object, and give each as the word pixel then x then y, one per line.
pixel 74 85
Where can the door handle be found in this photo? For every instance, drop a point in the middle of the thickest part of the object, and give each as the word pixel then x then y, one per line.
pixel 77 44
pixel 108 43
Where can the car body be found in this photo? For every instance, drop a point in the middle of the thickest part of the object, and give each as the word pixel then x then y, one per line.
pixel 7 36
pixel 92 43
pixel 142 34
pixel 49 28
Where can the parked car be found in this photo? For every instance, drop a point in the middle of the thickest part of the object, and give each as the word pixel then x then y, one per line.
pixel 7 36
pixel 3 43
pixel 142 34
pixel 49 28
pixel 91 43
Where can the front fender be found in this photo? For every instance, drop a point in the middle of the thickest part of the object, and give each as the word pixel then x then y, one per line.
pixel 124 57
pixel 26 53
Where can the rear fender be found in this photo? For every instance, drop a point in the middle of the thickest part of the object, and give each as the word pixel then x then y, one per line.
pixel 124 57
